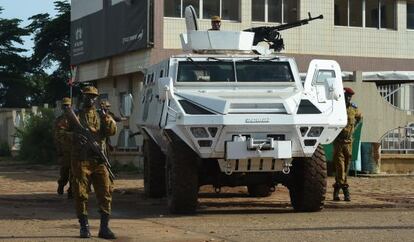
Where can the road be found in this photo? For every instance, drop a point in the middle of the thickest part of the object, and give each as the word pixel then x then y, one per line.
pixel 382 210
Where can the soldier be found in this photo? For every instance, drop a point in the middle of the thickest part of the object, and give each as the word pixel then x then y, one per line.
pixel 63 142
pixel 343 147
pixel 215 23
pixel 86 167
pixel 106 106
pixel 105 109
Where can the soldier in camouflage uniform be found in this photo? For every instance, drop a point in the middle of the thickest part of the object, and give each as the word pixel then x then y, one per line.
pixel 343 148
pixel 87 169
pixel 63 143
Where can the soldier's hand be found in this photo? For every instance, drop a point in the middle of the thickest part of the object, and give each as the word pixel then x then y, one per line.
pixel 81 139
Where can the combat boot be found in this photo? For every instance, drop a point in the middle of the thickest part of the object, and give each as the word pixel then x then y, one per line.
pixel 70 195
pixel 84 227
pixel 336 192
pixel 345 189
pixel 60 189
pixel 104 231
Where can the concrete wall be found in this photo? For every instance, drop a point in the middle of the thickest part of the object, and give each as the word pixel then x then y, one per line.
pixel 10 120
pixel 379 115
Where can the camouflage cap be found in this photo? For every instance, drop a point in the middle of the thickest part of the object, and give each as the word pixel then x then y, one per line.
pixel 105 103
pixel 66 101
pixel 215 19
pixel 90 90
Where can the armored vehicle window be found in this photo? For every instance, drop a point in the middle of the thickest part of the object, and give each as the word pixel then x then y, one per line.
pixel 323 75
pixel 205 71
pixel 249 71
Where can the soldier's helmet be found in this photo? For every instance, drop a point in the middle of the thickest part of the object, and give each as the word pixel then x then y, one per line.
pixel 105 104
pixel 90 90
pixel 215 19
pixel 66 101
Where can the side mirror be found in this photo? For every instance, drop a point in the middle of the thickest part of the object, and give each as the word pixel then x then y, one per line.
pixel 332 87
pixel 165 84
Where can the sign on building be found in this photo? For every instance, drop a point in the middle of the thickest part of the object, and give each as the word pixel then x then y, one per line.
pixel 103 28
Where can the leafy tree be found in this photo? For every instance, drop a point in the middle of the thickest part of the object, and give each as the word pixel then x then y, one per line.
pixel 13 66
pixel 51 50
pixel 36 145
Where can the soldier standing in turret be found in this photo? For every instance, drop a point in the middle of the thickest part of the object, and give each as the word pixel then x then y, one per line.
pixel 215 23
pixel 87 168
pixel 343 147
pixel 63 142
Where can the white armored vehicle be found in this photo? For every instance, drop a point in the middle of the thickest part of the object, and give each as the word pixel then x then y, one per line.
pixel 225 116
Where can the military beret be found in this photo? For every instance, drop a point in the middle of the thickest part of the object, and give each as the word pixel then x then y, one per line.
pixel 349 91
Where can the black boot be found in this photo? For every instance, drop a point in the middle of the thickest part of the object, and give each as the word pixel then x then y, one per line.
pixel 60 189
pixel 84 227
pixel 104 231
pixel 70 195
pixel 336 192
pixel 345 189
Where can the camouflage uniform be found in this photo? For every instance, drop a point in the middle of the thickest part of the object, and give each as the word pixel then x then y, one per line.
pixel 63 142
pixel 88 169
pixel 342 153
pixel 85 165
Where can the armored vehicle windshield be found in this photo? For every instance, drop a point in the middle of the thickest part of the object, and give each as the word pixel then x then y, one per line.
pixel 234 71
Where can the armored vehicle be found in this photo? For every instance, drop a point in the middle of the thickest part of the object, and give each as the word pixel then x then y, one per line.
pixel 224 115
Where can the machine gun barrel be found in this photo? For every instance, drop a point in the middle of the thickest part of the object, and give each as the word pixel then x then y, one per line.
pixel 90 140
pixel 271 35
pixel 297 23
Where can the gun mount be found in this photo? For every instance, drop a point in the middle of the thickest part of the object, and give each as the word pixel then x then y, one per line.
pixel 271 35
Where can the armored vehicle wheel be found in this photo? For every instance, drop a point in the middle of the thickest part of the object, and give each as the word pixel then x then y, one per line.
pixel 154 170
pixel 181 179
pixel 260 190
pixel 307 186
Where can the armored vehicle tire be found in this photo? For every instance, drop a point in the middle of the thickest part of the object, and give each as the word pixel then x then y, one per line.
pixel 154 170
pixel 307 185
pixel 260 190
pixel 181 179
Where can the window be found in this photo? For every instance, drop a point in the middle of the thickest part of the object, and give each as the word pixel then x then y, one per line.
pixel 378 13
pixel 323 75
pixel 172 8
pixel 126 104
pixel 226 9
pixel 410 14
pixel 249 71
pixel 204 71
pixel 278 11
pixel 223 71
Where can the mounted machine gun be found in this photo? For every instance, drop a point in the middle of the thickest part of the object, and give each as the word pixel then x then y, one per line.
pixel 272 36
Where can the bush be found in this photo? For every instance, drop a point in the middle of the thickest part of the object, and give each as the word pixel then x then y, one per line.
pixel 36 145
pixel 5 149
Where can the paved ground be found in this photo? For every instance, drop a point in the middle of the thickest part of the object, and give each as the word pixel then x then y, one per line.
pixel 382 210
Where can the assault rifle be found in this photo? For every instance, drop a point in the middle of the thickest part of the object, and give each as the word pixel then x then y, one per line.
pixel 90 140
pixel 272 36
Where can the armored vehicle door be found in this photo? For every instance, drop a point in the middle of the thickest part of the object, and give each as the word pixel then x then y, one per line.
pixel 151 104
pixel 324 80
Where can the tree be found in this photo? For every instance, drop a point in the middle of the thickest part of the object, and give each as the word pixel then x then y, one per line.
pixel 52 50
pixel 13 66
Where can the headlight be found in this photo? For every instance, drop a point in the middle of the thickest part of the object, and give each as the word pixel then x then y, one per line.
pixel 303 131
pixel 315 132
pixel 199 132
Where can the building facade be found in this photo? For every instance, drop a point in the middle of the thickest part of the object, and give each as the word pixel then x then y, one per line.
pixel 362 35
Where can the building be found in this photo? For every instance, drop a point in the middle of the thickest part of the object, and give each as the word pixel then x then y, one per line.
pixel 114 41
